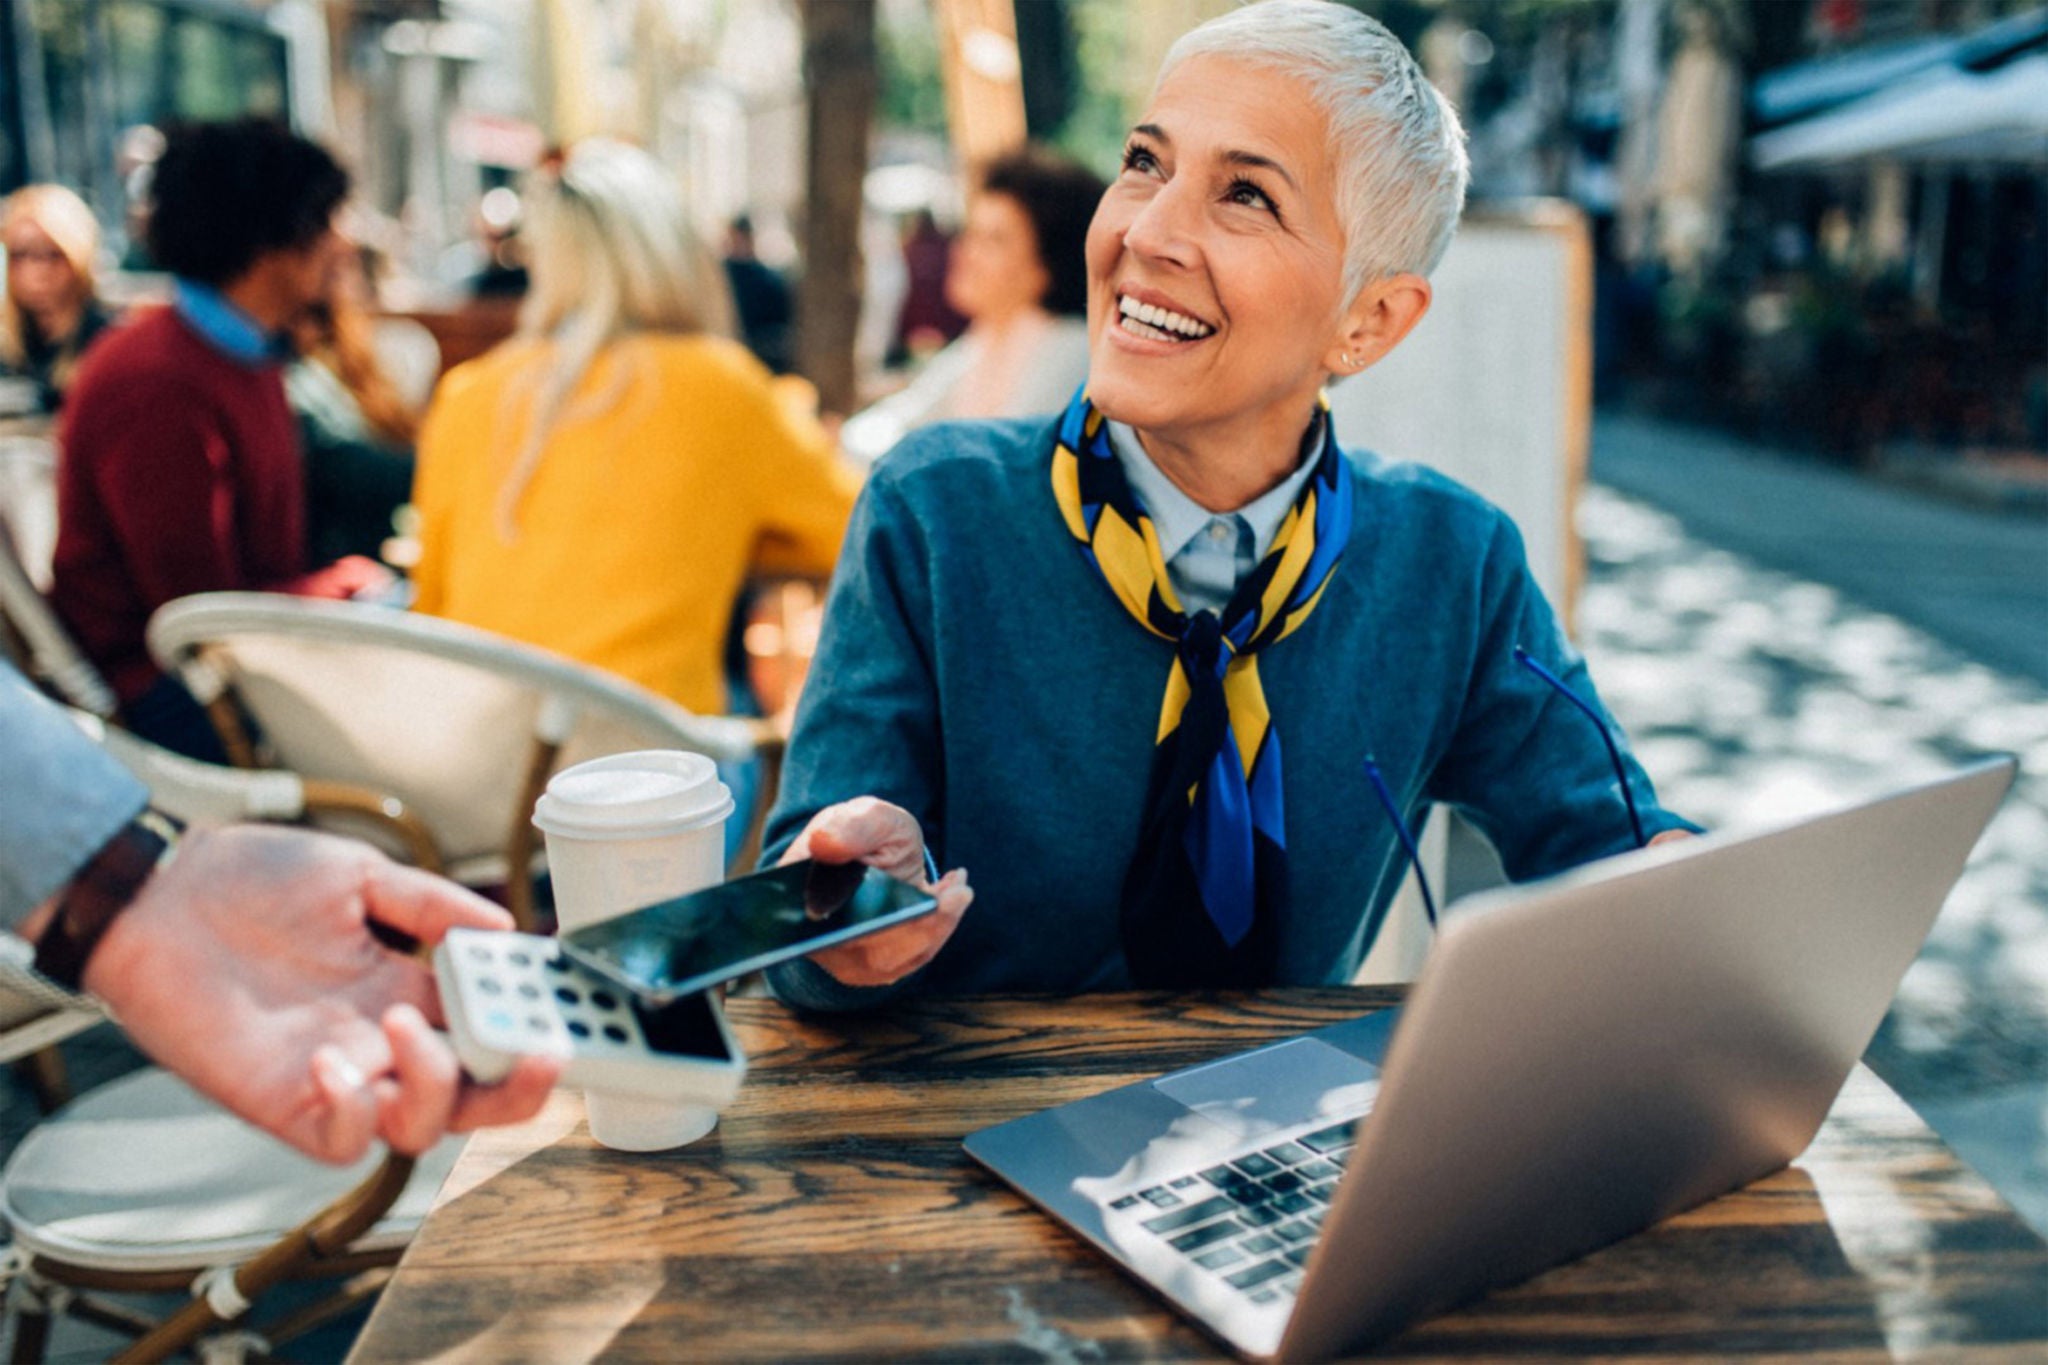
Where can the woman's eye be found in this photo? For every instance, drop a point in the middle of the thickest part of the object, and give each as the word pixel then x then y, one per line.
pixel 1140 159
pixel 1251 196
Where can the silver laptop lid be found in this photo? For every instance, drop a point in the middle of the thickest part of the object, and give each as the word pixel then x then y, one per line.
pixel 1584 1058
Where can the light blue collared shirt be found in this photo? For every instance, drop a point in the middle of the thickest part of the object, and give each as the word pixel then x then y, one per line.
pixel 1207 553
pixel 63 799
pixel 225 327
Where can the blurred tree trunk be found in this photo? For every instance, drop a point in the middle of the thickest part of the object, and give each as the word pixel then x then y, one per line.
pixel 840 71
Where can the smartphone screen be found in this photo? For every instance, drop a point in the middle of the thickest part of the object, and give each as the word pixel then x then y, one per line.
pixel 689 944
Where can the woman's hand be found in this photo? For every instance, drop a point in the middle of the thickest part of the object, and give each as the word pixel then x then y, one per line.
pixel 869 830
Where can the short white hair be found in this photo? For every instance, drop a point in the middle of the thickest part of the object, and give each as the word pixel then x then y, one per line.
pixel 1400 149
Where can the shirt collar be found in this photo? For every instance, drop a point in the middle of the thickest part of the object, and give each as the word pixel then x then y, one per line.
pixel 1178 518
pixel 224 326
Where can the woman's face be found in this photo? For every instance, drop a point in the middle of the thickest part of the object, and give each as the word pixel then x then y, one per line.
pixel 39 278
pixel 1216 260
pixel 994 271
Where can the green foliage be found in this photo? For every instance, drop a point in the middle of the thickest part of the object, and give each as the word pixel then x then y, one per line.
pixel 913 88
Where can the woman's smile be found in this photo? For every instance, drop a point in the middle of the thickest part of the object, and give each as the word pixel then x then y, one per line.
pixel 1153 317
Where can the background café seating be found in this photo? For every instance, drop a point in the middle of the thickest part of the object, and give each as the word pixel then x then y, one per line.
pixel 462 726
pixel 145 1187
pixel 30 632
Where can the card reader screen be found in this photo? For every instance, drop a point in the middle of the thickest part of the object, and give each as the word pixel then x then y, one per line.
pixel 693 942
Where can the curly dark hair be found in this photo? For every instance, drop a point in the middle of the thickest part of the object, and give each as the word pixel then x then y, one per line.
pixel 225 194
pixel 1059 196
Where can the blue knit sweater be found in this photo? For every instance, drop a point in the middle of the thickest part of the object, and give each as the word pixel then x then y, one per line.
pixel 976 670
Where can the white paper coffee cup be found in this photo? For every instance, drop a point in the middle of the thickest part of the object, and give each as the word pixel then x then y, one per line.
pixel 623 832
pixel 626 1124
pixel 632 829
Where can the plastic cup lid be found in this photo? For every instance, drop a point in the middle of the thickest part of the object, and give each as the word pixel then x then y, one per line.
pixel 634 796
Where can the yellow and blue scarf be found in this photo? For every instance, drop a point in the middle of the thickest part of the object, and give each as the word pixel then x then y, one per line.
pixel 1207 887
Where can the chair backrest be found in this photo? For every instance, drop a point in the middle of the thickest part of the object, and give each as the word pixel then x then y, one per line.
pixel 449 719
pixel 30 1020
pixel 28 502
pixel 197 792
pixel 53 656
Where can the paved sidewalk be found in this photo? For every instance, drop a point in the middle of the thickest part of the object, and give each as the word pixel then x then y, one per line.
pixel 1754 694
pixel 1977 579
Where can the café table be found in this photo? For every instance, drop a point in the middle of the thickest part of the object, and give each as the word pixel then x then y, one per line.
pixel 832 1215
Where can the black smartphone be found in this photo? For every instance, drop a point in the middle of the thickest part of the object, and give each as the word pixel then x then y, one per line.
pixel 692 943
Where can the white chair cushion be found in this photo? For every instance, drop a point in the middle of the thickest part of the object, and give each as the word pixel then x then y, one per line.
pixel 145 1174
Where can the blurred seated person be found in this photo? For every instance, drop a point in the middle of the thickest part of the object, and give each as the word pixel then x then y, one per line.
pixel 181 470
pixel 52 311
pixel 760 298
pixel 356 430
pixel 926 320
pixel 1017 274
pixel 604 483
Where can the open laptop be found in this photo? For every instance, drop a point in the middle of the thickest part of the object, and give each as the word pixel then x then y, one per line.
pixel 1580 1058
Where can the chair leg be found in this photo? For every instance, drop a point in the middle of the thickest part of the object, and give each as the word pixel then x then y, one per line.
pixel 327 1234
pixel 350 1293
pixel 46 1076
pixel 28 1306
pixel 769 747
pixel 519 840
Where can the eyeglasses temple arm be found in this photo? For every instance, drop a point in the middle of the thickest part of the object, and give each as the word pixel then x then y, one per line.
pixel 1379 784
pixel 1635 821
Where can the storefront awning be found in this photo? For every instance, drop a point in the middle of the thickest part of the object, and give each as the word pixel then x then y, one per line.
pixel 1950 116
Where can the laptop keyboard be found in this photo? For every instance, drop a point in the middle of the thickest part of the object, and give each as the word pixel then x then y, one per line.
pixel 1251 1221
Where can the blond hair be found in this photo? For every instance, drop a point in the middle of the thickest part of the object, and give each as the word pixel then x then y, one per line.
pixel 67 222
pixel 612 254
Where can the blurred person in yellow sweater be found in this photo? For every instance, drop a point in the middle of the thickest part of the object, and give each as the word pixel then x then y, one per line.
pixel 604 483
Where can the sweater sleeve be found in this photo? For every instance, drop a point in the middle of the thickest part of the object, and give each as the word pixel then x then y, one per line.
pixel 1524 764
pixel 63 799
pixel 806 490
pixel 169 500
pixel 868 723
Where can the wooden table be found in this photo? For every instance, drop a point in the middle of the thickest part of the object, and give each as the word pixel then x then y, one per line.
pixel 833 1216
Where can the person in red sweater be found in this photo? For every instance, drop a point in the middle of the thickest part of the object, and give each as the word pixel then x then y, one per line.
pixel 180 469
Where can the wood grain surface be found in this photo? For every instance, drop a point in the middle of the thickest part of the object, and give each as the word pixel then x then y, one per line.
pixel 833 1216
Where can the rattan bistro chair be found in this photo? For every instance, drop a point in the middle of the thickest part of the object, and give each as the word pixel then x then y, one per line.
pixel 461 725
pixel 145 1187
pixel 37 639
pixel 31 1026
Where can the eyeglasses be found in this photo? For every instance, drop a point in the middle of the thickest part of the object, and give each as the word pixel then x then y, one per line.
pixel 1400 822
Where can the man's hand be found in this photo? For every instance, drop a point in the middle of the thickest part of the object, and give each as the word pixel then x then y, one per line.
pixel 872 831
pixel 246 965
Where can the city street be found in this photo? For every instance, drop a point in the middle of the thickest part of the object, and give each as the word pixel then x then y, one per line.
pixel 1779 638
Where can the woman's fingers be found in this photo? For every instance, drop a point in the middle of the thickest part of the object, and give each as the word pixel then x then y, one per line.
pixel 893 954
pixel 867 830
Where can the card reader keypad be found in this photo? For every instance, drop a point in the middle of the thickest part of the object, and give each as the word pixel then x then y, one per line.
pixel 1251 1220
pixel 528 997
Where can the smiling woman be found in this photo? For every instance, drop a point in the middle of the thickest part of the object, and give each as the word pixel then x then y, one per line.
pixel 1067 656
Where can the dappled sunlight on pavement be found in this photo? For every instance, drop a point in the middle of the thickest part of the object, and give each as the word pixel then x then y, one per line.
pixel 1752 696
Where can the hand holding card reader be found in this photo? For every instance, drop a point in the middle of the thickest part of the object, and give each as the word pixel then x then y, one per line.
pixel 622 1002
pixel 512 995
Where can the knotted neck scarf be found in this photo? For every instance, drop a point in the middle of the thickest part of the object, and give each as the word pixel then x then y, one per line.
pixel 1207 887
